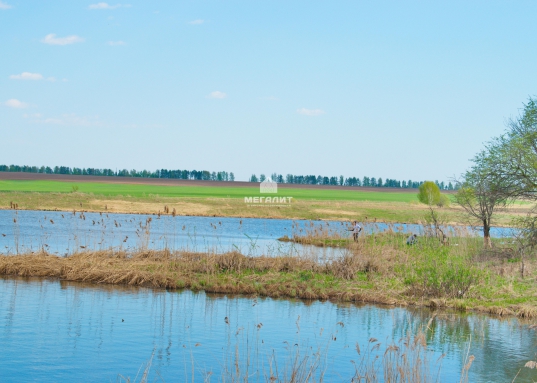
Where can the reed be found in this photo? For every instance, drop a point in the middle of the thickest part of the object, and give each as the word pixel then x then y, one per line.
pixel 407 360
pixel 382 271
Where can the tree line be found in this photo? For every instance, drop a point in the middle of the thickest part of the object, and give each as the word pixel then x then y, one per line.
pixel 225 176
pixel 204 175
pixel 351 181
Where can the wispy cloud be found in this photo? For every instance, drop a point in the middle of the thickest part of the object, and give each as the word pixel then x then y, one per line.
pixel 310 112
pixel 31 76
pixel 68 119
pixel 27 76
pixel 217 94
pixel 53 40
pixel 107 6
pixel 4 5
pixel 196 22
pixel 16 104
pixel 116 43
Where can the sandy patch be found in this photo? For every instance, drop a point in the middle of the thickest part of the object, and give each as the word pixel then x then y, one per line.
pixel 335 212
pixel 181 208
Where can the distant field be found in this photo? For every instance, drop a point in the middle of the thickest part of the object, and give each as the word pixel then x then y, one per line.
pixel 141 191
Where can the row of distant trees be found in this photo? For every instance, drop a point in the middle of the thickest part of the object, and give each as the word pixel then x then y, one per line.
pixel 206 175
pixel 162 173
pixel 351 181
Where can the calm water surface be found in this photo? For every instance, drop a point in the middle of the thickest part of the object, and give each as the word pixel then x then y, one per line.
pixel 52 331
pixel 63 233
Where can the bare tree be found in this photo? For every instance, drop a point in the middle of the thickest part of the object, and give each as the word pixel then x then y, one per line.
pixel 481 194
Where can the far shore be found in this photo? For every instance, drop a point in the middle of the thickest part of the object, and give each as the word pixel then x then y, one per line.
pixel 316 210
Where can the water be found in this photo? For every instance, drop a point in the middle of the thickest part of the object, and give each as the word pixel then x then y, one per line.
pixel 54 331
pixel 63 233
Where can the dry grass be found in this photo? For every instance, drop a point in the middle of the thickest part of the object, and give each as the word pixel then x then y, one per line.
pixel 226 273
pixel 377 269
pixel 225 207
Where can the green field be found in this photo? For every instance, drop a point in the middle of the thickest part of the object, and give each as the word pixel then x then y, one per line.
pixel 110 189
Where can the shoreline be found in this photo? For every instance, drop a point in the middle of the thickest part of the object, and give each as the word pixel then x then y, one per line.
pixel 453 224
pixel 233 273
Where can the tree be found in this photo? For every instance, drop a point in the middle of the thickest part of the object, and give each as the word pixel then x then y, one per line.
pixel 512 157
pixel 481 194
pixel 429 193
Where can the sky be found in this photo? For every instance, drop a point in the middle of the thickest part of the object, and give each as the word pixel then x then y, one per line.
pixel 391 89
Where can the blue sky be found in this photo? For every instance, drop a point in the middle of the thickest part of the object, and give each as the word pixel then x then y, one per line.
pixel 384 89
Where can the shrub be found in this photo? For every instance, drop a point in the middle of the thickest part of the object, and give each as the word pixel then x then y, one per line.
pixel 441 275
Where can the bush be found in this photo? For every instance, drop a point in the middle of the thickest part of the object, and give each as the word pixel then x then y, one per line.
pixel 441 275
pixel 444 201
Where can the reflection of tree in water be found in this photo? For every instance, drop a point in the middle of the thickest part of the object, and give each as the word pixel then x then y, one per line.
pixel 501 347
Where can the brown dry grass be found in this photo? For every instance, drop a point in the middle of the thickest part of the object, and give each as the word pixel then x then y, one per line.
pixel 226 207
pixel 226 273
pixel 377 269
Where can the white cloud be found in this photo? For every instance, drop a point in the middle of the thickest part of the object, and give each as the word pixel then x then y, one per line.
pixel 4 5
pixel 26 76
pixel 217 94
pixel 107 6
pixel 53 40
pixel 310 112
pixel 196 22
pixel 116 43
pixel 16 104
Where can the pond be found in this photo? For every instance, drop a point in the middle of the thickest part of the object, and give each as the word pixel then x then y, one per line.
pixel 56 331
pixel 63 233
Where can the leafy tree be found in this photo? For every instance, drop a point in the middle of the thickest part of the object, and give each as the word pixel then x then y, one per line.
pixel 429 193
pixel 513 156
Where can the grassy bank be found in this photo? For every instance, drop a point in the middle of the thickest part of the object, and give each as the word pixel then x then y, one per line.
pixel 304 205
pixel 379 268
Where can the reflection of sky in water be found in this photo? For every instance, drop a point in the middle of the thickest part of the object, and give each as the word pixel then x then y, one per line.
pixel 58 331
pixel 62 232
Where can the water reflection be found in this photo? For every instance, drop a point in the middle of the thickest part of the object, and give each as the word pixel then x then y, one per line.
pixel 59 331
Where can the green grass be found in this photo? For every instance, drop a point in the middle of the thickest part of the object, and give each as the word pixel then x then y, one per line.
pixel 109 189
